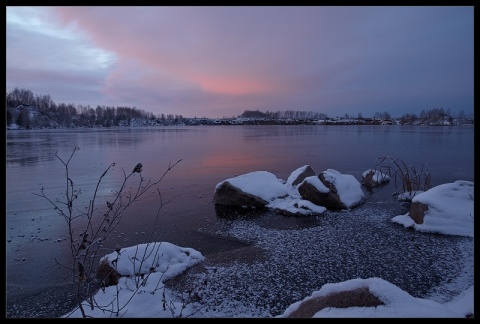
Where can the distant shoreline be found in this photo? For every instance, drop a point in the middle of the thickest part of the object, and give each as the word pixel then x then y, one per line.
pixel 256 122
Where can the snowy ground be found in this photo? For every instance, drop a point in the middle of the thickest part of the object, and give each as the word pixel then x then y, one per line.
pixel 358 243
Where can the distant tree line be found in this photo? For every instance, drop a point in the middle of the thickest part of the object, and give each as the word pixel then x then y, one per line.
pixel 20 101
pixel 436 116
pixel 28 110
pixel 293 114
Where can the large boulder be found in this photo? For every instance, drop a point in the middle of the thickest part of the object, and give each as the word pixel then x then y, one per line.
pixel 227 194
pixel 332 190
pixel 346 186
pixel 417 212
pixel 359 297
pixel 446 209
pixel 254 189
pixel 313 190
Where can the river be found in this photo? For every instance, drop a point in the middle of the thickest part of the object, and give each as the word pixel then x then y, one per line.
pixel 36 235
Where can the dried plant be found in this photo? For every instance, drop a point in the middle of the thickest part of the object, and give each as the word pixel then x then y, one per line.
pixel 411 179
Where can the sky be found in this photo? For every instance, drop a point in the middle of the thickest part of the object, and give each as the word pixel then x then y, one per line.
pixel 220 61
pixel 450 212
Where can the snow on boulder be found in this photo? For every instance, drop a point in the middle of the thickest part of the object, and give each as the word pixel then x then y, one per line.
pixel 313 190
pixel 373 178
pixel 445 209
pixel 376 298
pixel 254 189
pixel 346 186
pixel 299 175
pixel 146 258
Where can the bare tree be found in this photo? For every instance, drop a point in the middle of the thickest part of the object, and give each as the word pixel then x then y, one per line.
pixel 89 229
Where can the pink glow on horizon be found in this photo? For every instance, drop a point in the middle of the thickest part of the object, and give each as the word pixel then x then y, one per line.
pixel 231 86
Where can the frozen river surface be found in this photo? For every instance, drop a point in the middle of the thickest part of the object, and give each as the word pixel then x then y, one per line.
pixel 255 255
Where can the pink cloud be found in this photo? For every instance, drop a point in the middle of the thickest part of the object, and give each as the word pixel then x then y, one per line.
pixel 192 53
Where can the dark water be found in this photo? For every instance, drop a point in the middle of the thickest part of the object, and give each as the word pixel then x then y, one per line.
pixel 36 235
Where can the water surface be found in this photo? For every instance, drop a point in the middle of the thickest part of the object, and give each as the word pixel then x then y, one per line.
pixel 36 235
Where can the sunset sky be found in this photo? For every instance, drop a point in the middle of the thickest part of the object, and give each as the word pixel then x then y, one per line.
pixel 220 61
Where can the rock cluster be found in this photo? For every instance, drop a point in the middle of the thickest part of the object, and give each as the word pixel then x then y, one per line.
pixel 304 192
